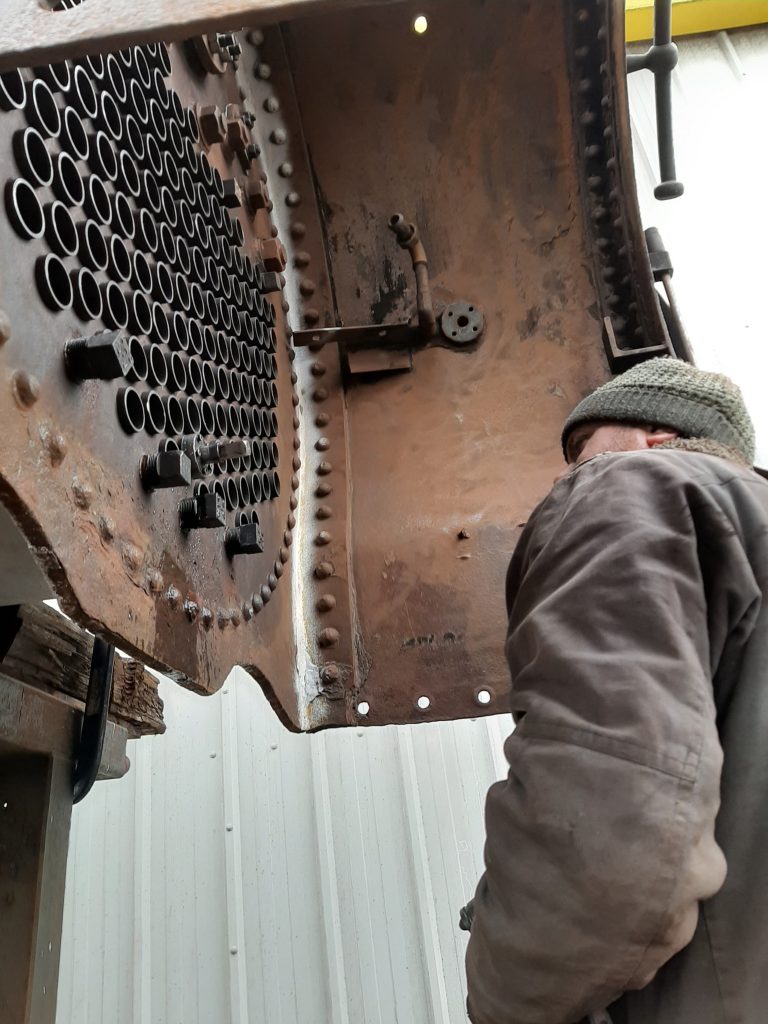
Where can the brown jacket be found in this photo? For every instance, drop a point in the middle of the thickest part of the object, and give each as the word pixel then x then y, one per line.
pixel 639 655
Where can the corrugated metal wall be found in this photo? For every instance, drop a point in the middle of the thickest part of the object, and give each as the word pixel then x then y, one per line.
pixel 243 874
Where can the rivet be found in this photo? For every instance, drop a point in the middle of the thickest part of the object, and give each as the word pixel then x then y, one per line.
pixel 323 538
pixel 323 489
pixel 274 230
pixel 588 117
pixel 278 568
pixel 266 593
pixel 107 533
pixel 255 37
pixel 54 444
pixel 83 493
pixel 256 603
pixel 264 72
pixel 206 617
pixel 320 394
pixel 286 305
pixel 294 399
pixel 271 104
pixel 285 170
pixel 325 468
pixel 328 637
pixel 287 538
pixel 291 353
pixel 324 570
pixel 294 503
pixel 318 369
pixel 26 388
pixel 191 608
pixel 330 674
pixel 302 259
pixel 293 199
pixel 291 520
pixel 154 581
pixel 296 463
pixel 294 482
pixel 296 442
pixel 322 419
pixel 296 422
pixel 284 555
pixel 326 603
pixel 294 377
pixel 223 618
pixel 307 287
pixel 324 512
pixel 311 316
pixel 278 136
pixel 322 444
pixel 5 327
pixel 173 596
pixel 234 616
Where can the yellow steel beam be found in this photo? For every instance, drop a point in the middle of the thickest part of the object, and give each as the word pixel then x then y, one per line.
pixel 691 16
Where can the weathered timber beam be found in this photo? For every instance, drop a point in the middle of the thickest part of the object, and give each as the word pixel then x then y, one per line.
pixel 33 33
pixel 46 650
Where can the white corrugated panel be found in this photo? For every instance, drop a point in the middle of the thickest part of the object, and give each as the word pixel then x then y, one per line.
pixel 242 874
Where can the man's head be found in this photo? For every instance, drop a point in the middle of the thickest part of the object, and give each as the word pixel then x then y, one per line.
pixel 658 402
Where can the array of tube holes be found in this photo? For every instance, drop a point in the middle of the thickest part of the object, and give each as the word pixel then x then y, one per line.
pixel 140 239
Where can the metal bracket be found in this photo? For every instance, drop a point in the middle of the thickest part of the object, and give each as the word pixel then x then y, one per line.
pixel 620 359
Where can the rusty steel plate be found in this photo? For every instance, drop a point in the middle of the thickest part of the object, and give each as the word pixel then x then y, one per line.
pixel 389 481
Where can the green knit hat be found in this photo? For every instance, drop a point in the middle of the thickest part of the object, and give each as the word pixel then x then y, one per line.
pixel 672 393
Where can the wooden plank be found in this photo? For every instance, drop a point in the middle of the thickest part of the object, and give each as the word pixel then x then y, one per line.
pixel 50 652
pixel 33 33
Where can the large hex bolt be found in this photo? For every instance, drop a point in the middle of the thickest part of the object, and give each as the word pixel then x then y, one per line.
pixel 205 511
pixel 233 193
pixel 235 130
pixel 220 451
pixel 166 469
pixel 273 254
pixel 106 355
pixel 270 282
pixel 211 125
pixel 257 194
pixel 244 540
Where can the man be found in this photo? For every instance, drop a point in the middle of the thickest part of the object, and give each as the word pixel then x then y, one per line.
pixel 639 656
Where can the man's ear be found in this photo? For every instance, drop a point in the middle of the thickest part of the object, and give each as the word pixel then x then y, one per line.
pixel 660 435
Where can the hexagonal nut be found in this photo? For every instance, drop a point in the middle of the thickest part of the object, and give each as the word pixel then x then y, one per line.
pixel 237 134
pixel 233 193
pixel 257 193
pixel 273 254
pixel 211 125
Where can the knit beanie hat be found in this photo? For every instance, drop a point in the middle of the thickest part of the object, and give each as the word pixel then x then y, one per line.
pixel 672 393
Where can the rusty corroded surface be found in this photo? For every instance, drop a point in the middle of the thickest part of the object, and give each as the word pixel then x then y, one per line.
pixel 406 474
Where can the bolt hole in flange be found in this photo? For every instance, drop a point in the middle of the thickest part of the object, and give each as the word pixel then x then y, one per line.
pixel 483 697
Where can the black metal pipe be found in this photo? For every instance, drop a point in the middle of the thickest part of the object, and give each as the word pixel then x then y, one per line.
pixel 208 416
pixel 179 332
pixel 60 233
pixel 192 126
pixel 146 231
pixel 170 171
pixel 225 314
pixel 32 156
pixel 245 388
pixel 174 415
pixel 108 117
pixel 95 719
pixel 115 313
pixel 67 183
pixel 128 177
pixel 158 90
pixel 53 282
pixel 114 79
pixel 73 135
pixel 209 379
pixel 196 300
pixel 102 158
pixel 175 141
pixel 212 309
pixel 122 216
pixel 154 412
pixel 181 291
pixel 13 90
pixel 222 425
pixel 92 246
pixel 192 415
pixel 137 101
pixel 162 284
pixel 166 247
pixel 170 206
pixel 235 353
pixel 134 137
pixel 196 341
pixel 153 156
pixel 130 410
pixel 222 383
pixel 82 94
pixel 57 77
pixel 41 109
pixel 86 297
pixel 222 347
pixel 139 363
pixel 194 374
pixel 201 267
pixel 209 342
pixel 24 209
pixel 119 259
pixel 139 313
pixel 149 191
pixel 161 330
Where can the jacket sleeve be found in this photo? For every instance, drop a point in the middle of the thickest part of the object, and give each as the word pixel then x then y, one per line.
pixel 600 842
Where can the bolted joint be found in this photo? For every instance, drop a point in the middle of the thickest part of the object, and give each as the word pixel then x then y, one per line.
pixel 273 254
pixel 244 540
pixel 220 451
pixel 236 132
pixel 252 152
pixel 270 282
pixel 257 195
pixel 211 125
pixel 233 194
pixel 166 469
pixel 104 356
pixel 203 512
